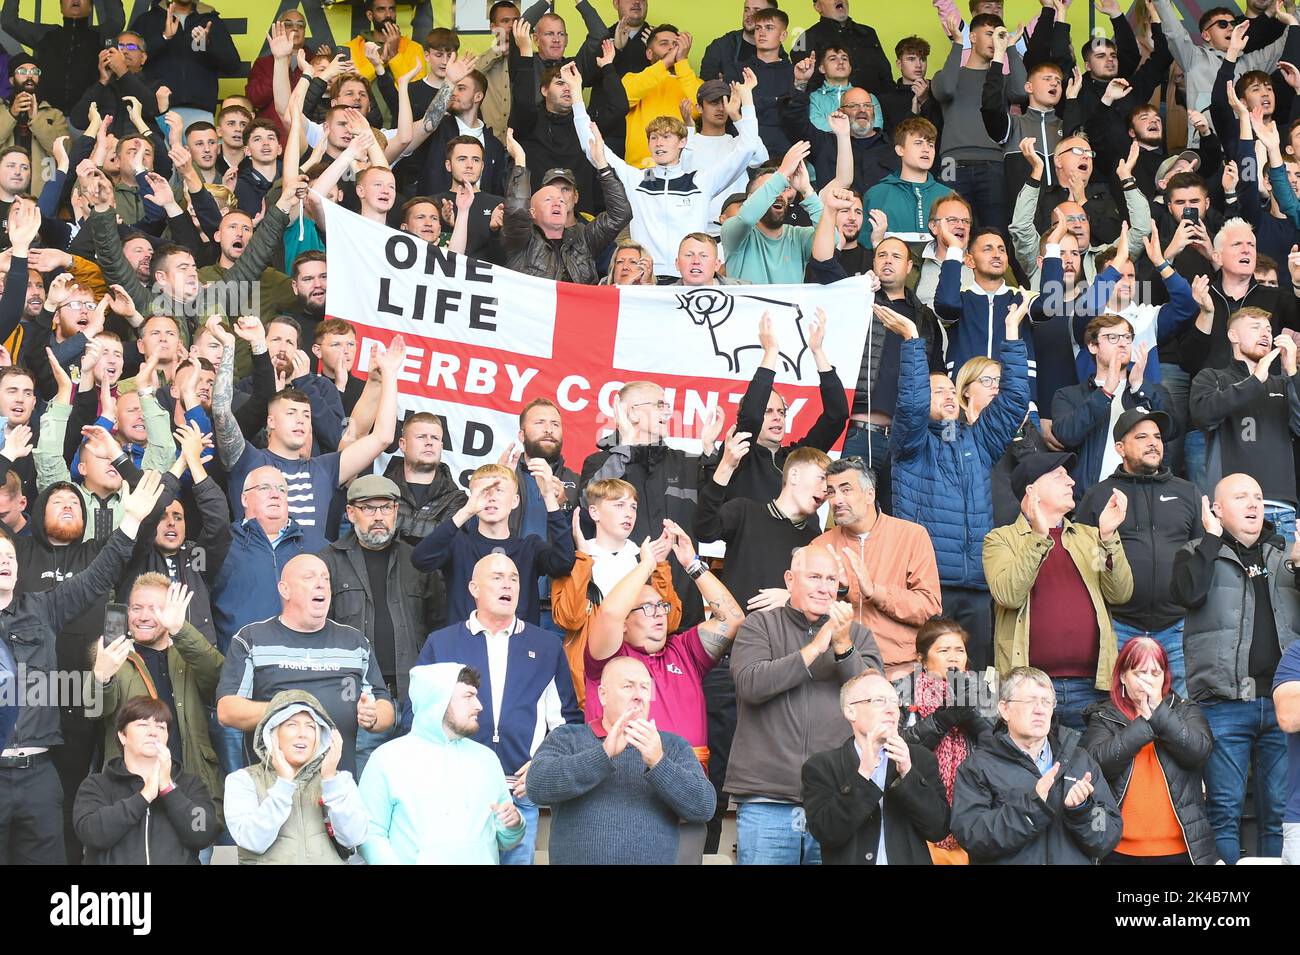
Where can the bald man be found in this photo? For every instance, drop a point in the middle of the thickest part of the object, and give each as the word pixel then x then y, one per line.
pixel 1232 646
pixel 619 789
pixel 526 692
pixel 789 664
pixel 300 648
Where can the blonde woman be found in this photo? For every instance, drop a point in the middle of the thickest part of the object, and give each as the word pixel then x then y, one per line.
pixel 631 265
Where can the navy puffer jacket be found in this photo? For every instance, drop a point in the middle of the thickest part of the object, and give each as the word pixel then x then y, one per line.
pixel 941 468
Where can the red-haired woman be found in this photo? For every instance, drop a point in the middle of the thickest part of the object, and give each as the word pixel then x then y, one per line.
pixel 940 710
pixel 1152 745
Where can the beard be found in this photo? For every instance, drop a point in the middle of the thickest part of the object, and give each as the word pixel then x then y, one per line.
pixel 772 219
pixel 421 467
pixel 1141 467
pixel 860 128
pixel 377 537
pixel 534 449
pixel 63 533
pixel 455 730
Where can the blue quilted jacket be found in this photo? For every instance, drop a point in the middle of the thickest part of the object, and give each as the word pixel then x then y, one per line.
pixel 941 468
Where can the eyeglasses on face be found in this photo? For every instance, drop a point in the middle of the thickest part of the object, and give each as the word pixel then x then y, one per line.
pixel 129 47
pixel 79 306
pixel 370 510
pixel 876 702
pixel 267 488
pixel 1222 24
pixel 660 405
pixel 1037 702
pixel 659 609
pixel 1115 338
pixel 954 220
pixel 1078 151
pixel 990 381
pixel 27 71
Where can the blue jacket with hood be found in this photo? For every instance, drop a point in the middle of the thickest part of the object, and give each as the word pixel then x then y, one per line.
pixel 429 797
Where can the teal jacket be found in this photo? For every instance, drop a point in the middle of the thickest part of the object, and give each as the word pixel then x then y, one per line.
pixel 906 205
pixel 430 798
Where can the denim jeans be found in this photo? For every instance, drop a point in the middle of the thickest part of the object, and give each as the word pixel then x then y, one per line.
pixel 980 183
pixel 1074 694
pixel 368 742
pixel 1246 734
pixel 229 744
pixel 1171 638
pixel 522 854
pixel 873 448
pixel 1291 843
pixel 774 833
pixel 1283 519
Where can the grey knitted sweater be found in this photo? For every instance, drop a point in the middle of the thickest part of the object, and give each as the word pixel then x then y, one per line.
pixel 616 812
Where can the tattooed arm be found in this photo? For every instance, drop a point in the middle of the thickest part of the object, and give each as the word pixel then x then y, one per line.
pixel 720 629
pixel 230 440
pixel 432 117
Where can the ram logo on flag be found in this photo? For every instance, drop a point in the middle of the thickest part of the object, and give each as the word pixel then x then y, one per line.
pixel 482 341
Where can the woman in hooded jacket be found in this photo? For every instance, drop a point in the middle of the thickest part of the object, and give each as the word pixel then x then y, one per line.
pixel 1152 746
pixel 295 806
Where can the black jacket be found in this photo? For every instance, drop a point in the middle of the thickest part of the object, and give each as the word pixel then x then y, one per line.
pixel 109 100
pixel 118 826
pixel 1196 350
pixel 434 177
pixel 759 475
pixel 998 818
pixel 33 621
pixel 844 813
pixel 530 252
pixel 1249 425
pixel 417 601
pixel 1183 742
pixel 871 67
pixel 68 55
pixel 198 560
pixel 873 156
pixel 43 566
pixel 1080 416
pixel 414 523
pixel 190 74
pixel 1164 513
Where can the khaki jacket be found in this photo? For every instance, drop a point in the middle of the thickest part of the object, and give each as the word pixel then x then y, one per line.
pixel 1012 556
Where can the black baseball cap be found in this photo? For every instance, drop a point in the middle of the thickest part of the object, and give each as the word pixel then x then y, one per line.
pixel 1036 465
pixel 1135 416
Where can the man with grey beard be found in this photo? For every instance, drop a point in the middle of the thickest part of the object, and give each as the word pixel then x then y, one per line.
pixel 377 589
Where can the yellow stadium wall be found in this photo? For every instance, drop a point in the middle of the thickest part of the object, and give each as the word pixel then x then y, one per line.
pixel 249 20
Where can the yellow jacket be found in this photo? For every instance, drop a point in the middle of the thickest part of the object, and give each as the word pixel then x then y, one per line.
pixel 409 53
pixel 1012 556
pixel 655 92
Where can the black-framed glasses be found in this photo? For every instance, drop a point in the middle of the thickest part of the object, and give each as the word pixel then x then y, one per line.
pixel 989 381
pixel 652 610
pixel 1116 338
pixel 370 510
pixel 1221 24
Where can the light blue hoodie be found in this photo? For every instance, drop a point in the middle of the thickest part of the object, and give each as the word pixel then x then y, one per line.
pixel 429 797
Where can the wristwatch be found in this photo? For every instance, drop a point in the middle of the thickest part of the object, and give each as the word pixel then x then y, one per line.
pixel 696 569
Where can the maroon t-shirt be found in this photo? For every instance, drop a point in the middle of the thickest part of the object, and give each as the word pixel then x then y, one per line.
pixel 1063 634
